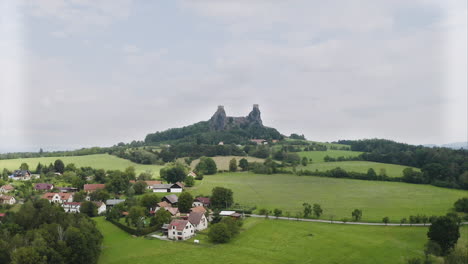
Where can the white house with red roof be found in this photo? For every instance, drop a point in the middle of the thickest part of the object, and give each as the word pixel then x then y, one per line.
pixel 198 220
pixel 6 188
pixel 58 197
pixel 180 230
pixel 6 199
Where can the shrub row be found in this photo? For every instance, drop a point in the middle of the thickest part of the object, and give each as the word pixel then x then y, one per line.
pixel 132 231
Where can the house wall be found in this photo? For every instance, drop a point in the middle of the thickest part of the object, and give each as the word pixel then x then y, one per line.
pixel 203 224
pixel 176 190
pixel 188 232
pixel 160 190
pixel 102 209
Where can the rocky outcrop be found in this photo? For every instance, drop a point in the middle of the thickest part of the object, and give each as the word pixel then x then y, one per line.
pixel 219 121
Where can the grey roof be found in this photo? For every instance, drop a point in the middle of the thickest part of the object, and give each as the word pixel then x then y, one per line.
pixel 195 218
pixel 165 226
pixel 162 186
pixel 172 198
pixel 114 201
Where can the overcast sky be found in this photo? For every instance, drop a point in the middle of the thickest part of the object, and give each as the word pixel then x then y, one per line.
pixel 82 73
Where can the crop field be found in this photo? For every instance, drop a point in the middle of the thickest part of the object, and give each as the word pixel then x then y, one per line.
pixel 222 162
pixel 98 161
pixel 318 156
pixel 392 170
pixel 338 197
pixel 273 241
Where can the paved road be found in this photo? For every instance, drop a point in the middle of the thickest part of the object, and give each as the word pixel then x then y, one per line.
pixel 341 222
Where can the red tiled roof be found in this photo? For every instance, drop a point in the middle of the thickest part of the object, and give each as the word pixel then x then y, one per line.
pixel 63 196
pixel 93 187
pixel 198 209
pixel 164 204
pixel 179 224
pixel 43 186
pixel 8 187
pixel 204 200
pixel 5 197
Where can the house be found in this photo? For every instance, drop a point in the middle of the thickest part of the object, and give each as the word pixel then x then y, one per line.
pixel 259 141
pixel 180 230
pixel 192 174
pixel 201 201
pixel 198 209
pixel 173 210
pixel 112 202
pixel 6 199
pixel 43 186
pixel 58 197
pixel 160 205
pixel 221 143
pixel 93 187
pixel 6 188
pixel 71 207
pixel 168 187
pixel 20 175
pixel 230 213
pixel 172 199
pixel 101 207
pixel 67 189
pixel 198 220
pixel 149 184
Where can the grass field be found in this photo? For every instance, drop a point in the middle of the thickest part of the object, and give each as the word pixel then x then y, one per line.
pixel 338 197
pixel 273 241
pixel 98 161
pixel 222 162
pixel 391 170
pixel 317 156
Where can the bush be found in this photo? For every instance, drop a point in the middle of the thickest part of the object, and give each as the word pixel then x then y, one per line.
pixel 461 205
pixel 219 233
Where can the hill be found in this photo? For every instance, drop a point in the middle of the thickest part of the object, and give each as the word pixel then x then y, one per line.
pixel 220 128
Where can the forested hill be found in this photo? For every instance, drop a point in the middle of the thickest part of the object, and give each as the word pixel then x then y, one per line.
pixel 440 166
pixel 220 128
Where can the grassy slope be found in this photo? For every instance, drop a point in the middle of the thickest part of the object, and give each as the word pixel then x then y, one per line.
pixel 317 156
pixel 273 241
pixel 391 170
pixel 337 197
pixel 222 162
pixel 98 161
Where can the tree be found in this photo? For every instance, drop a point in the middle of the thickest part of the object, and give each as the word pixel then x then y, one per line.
pixel 244 164
pixel 24 166
pixel 136 215
pixel 403 221
pixel 277 212
pixel 221 197
pixel 307 209
pixel 118 182
pixel 145 176
pixel 386 220
pixel 357 215
pixel 461 205
pixel 160 218
pixel 457 256
pixel 99 195
pixel 189 182
pixel 207 166
pixel 219 233
pixel 445 231
pixel 149 200
pixel 89 209
pixel 79 196
pixel 59 166
pixel 27 255
pixel 71 167
pixel 317 210
pixel 39 168
pixel 185 202
pixel 371 173
pixel 304 161
pixel 174 173
pixel 432 248
pixel 140 187
pixel 130 173
pixel 233 165
pixel 99 175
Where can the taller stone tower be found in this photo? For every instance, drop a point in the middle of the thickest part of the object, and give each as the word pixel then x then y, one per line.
pixel 218 120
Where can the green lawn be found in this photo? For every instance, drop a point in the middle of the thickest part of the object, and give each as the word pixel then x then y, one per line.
pixel 338 197
pixel 222 162
pixel 391 170
pixel 98 161
pixel 273 241
pixel 317 156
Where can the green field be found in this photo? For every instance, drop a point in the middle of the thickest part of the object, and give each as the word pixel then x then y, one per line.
pixel 391 170
pixel 97 161
pixel 273 241
pixel 222 162
pixel 317 156
pixel 338 197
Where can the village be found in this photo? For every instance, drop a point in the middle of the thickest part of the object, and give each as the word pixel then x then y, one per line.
pixel 177 225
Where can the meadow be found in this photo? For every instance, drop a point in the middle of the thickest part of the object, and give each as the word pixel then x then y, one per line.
pixel 391 170
pixel 318 156
pixel 97 161
pixel 338 197
pixel 273 241
pixel 222 162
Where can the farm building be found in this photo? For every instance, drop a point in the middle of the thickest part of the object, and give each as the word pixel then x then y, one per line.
pixel 172 199
pixel 180 230
pixel 93 187
pixel 43 186
pixel 67 189
pixel 192 174
pixel 168 187
pixel 58 197
pixel 74 207
pixel 149 184
pixel 22 175
pixel 201 201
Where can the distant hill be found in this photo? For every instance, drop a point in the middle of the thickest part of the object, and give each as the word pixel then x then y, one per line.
pixel 456 145
pixel 219 128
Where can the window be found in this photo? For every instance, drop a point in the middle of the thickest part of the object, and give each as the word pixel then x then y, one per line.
pixel 179 233
pixel 173 232
pixel 186 227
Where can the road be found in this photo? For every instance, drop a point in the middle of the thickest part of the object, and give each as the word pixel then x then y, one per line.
pixel 340 222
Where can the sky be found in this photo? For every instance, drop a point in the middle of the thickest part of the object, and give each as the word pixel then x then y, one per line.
pixel 81 73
